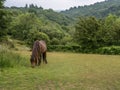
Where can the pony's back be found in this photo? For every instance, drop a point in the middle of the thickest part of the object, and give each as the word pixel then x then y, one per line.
pixel 42 46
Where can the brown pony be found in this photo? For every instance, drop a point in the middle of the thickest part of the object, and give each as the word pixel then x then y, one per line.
pixel 38 52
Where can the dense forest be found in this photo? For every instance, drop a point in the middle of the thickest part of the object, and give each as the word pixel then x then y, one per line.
pixel 97 30
pixel 99 9
pixel 32 22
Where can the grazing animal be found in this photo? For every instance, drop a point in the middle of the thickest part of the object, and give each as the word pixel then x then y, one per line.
pixel 38 52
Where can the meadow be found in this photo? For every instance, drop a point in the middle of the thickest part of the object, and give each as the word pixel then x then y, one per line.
pixel 93 32
pixel 64 71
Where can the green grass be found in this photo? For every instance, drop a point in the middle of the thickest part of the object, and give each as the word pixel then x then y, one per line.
pixel 10 59
pixel 64 71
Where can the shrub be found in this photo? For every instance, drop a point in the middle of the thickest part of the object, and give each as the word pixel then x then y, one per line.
pixel 113 50
pixel 65 48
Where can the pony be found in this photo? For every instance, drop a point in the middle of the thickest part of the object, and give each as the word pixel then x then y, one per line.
pixel 38 52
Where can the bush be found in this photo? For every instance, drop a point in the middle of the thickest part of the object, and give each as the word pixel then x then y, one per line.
pixel 65 48
pixel 113 50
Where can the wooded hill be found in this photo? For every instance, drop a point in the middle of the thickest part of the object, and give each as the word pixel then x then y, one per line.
pixel 62 31
pixel 33 19
pixel 99 9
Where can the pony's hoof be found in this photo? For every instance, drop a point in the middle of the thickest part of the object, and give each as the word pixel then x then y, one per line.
pixel 33 66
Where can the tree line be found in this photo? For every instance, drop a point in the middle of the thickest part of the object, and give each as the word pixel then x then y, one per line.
pixel 99 9
pixel 92 33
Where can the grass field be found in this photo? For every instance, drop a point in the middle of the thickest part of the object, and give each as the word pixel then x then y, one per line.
pixel 64 71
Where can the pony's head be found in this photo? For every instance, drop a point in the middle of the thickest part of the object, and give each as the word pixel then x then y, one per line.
pixel 32 60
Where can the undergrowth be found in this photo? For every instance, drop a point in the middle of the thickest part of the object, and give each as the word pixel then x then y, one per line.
pixel 10 59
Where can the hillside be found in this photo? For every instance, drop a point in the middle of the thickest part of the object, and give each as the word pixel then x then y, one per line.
pixel 31 20
pixel 60 31
pixel 100 9
pixel 45 14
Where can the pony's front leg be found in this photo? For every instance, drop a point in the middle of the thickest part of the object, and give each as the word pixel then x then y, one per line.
pixel 39 61
pixel 35 61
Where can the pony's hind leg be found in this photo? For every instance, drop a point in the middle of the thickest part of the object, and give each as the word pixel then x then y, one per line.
pixel 36 62
pixel 44 57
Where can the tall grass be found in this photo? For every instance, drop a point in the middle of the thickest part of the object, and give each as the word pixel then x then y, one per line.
pixel 10 59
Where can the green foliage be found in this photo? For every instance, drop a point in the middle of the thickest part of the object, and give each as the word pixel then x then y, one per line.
pixel 67 40
pixel 4 19
pixel 116 32
pixel 55 41
pixel 53 30
pixel 4 22
pixel 1 3
pixel 28 26
pixel 110 31
pixel 92 33
pixel 22 25
pixel 65 48
pixel 99 9
pixel 31 22
pixel 86 32
pixel 35 35
pixel 113 50
pixel 57 17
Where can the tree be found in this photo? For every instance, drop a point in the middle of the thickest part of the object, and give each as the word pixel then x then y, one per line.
pixel 22 24
pixel 109 26
pixel 4 19
pixel 26 5
pixel 116 35
pixel 55 41
pixel 3 22
pixel 85 33
pixel 36 35
pixel 1 3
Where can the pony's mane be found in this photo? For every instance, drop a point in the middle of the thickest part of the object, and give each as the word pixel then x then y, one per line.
pixel 35 49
